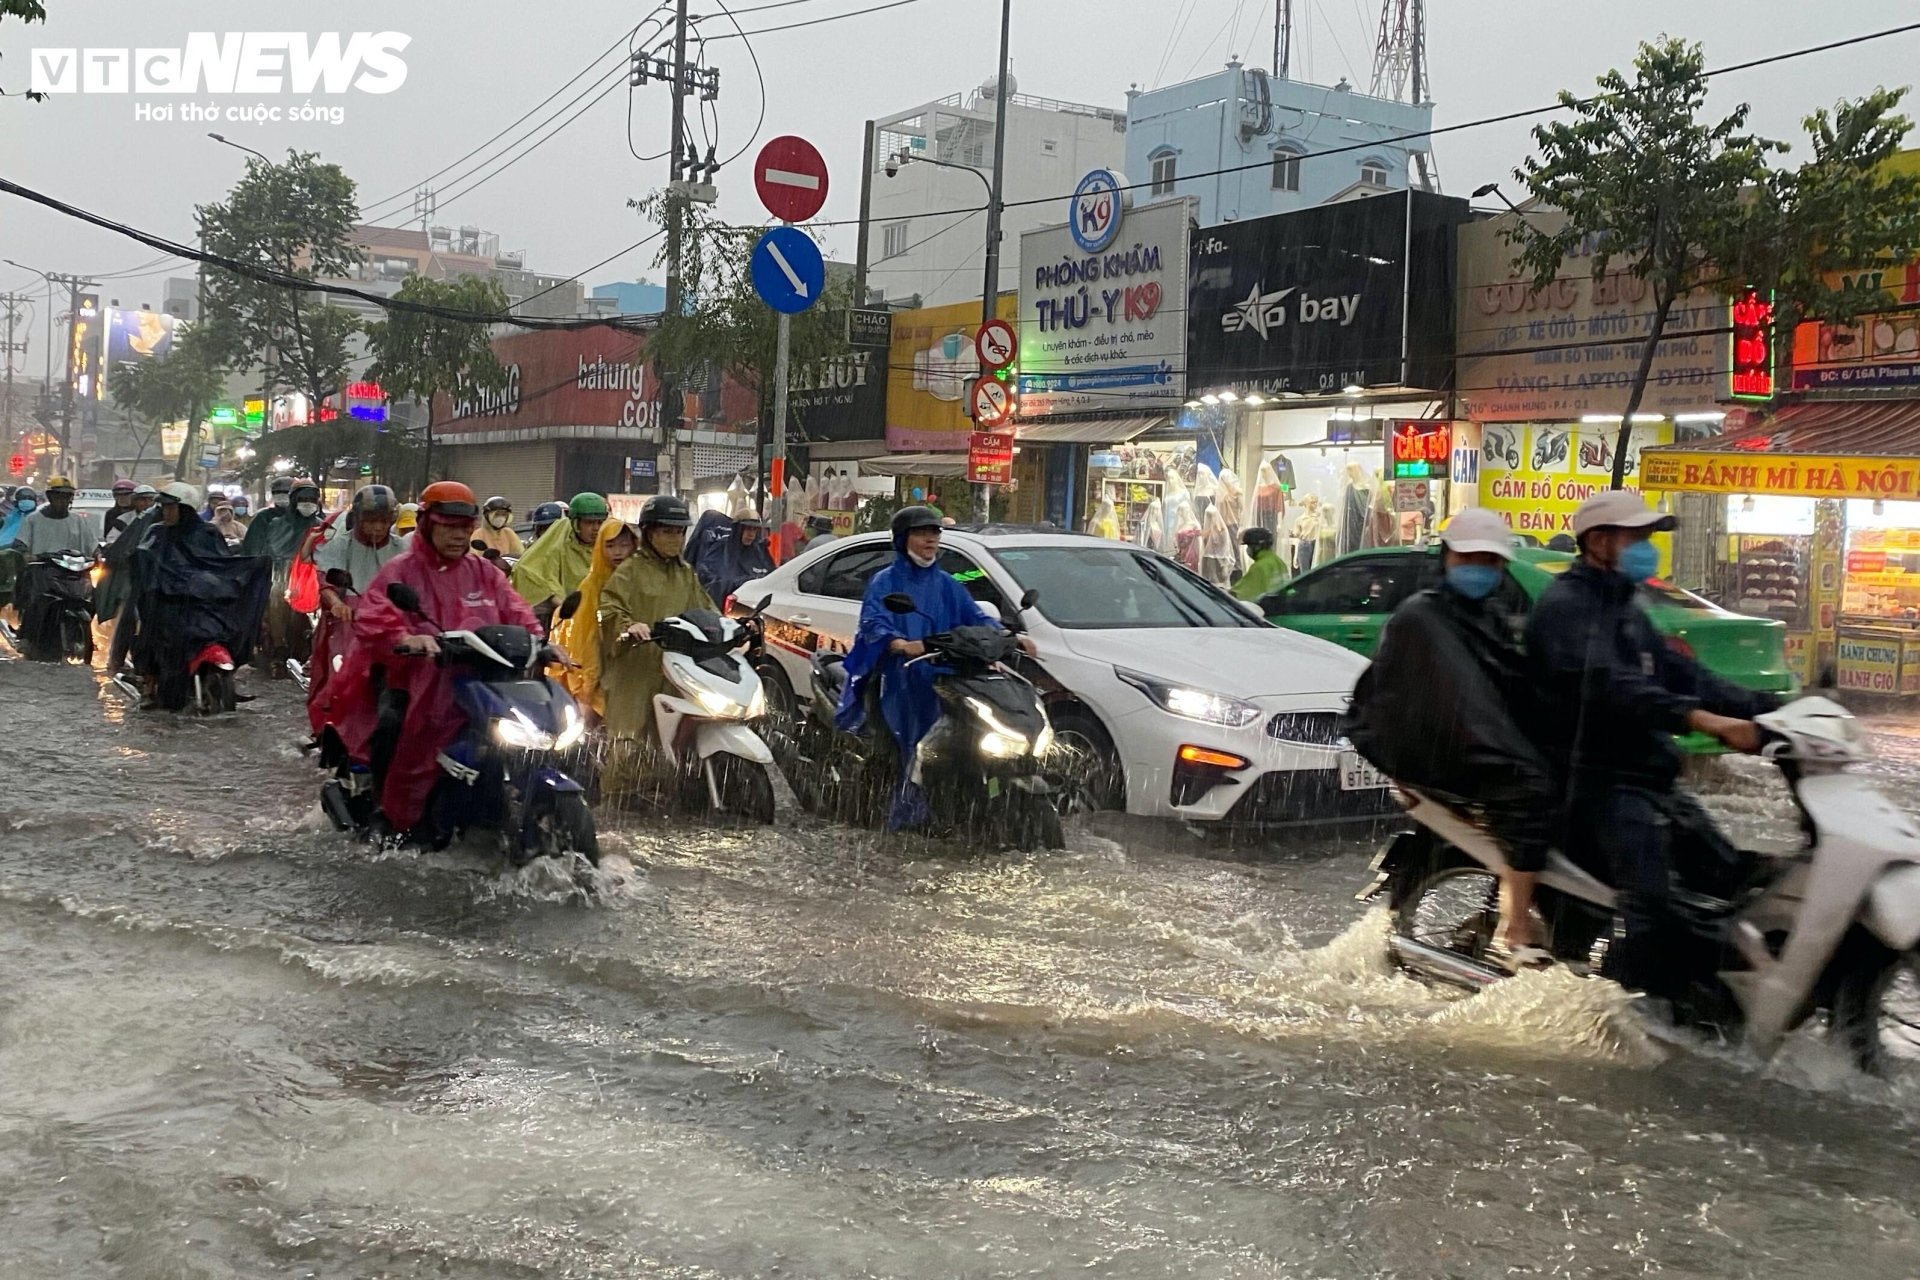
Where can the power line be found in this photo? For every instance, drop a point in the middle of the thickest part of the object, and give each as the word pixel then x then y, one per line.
pixel 814 22
pixel 595 267
pixel 612 84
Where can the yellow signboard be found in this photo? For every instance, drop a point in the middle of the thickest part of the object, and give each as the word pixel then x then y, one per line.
pixel 927 370
pixel 1536 475
pixel 1870 662
pixel 1806 476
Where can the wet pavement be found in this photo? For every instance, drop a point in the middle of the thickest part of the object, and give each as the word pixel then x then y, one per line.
pixel 234 1045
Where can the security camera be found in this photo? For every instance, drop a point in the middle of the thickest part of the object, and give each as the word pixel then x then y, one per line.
pixel 893 164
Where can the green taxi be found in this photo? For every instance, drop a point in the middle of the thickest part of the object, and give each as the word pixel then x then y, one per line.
pixel 1348 601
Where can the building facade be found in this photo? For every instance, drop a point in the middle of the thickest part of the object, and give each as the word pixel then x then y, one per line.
pixel 1246 144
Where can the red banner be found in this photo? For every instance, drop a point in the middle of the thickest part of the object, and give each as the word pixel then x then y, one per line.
pixel 990 457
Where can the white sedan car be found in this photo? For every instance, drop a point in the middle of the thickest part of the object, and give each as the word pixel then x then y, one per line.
pixel 1183 704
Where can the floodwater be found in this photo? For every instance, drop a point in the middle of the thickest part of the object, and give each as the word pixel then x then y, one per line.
pixel 233 1045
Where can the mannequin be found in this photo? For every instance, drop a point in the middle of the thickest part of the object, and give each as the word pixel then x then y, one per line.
pixel 1307 528
pixel 1356 502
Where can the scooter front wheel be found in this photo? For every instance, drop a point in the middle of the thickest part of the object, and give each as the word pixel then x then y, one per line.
pixel 558 823
pixel 745 787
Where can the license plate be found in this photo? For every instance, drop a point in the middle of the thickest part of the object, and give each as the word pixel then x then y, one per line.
pixel 1357 775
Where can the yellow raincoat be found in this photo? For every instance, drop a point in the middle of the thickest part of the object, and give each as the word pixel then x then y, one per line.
pixel 553 566
pixel 645 589
pixel 580 634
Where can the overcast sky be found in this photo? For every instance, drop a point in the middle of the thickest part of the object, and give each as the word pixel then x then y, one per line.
pixel 474 66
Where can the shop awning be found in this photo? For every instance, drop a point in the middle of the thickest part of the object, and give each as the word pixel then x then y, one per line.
pixel 1088 430
pixel 915 464
pixel 1814 449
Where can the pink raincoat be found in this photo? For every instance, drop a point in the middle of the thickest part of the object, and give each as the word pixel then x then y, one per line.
pixel 459 596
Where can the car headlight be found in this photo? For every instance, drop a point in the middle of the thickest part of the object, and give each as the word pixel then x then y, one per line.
pixel 1192 704
pixel 518 731
pixel 572 731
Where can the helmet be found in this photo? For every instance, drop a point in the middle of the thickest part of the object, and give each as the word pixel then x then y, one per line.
pixel 820 524
pixel 24 494
pixel 1256 539
pixel 907 519
pixel 407 517
pixel 280 485
pixel 145 491
pixel 665 509
pixel 122 486
pixel 497 503
pixel 374 500
pixel 449 499
pixel 59 484
pixel 749 522
pixel 305 486
pixel 587 506
pixel 548 512
pixel 181 492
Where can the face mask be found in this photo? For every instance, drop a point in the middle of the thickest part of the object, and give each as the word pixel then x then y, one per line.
pixel 925 562
pixel 27 504
pixel 1640 560
pixel 1474 581
pixel 281 500
pixel 499 519
pixel 307 508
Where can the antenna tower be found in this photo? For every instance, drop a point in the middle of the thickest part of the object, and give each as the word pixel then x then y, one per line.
pixel 1282 38
pixel 1400 65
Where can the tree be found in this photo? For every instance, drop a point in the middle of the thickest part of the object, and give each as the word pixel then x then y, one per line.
pixel 419 354
pixel 26 11
pixel 297 219
pixel 1687 204
pixel 182 386
pixel 724 325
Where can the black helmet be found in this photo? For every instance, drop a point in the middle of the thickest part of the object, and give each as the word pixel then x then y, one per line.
pixel 548 512
pixel 820 524
pixel 907 519
pixel 497 503
pixel 281 484
pixel 375 500
pixel 749 522
pixel 1256 539
pixel 665 509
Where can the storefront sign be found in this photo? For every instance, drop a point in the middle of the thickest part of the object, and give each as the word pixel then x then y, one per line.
pixel 1420 448
pixel 1537 475
pixel 1752 316
pixel 1802 476
pixel 842 397
pixel 869 327
pixel 990 457
pixel 927 370
pixel 1870 664
pixel 1105 331
pixel 1571 349
pixel 1874 350
pixel 1909 666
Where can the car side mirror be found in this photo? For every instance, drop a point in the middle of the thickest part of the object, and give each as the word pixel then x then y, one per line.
pixel 766 602
pixel 899 602
pixel 404 597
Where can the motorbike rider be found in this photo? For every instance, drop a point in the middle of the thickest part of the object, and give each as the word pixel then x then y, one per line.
pixel 579 634
pixel 819 532
pixel 1614 695
pixel 1448 706
pixel 398 713
pixel 885 642
pixel 225 520
pixel 360 550
pixel 557 562
pixel 654 583
pixel 407 520
pixel 121 511
pixel 175 537
pixel 1267 573
pixel 544 516
pixel 731 555
pixel 278 531
pixel 57 526
pixel 496 528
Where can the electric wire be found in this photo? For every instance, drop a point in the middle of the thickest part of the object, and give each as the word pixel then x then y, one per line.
pixel 814 22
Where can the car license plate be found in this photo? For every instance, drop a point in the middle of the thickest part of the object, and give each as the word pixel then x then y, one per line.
pixel 1357 775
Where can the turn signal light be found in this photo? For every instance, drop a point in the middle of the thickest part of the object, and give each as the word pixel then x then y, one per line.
pixel 1206 755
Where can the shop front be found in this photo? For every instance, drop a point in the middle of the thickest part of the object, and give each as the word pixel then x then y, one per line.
pixel 837 411
pixel 580 411
pixel 1821 500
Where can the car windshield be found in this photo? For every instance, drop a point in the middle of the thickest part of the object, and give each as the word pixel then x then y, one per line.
pixel 1653 590
pixel 1092 587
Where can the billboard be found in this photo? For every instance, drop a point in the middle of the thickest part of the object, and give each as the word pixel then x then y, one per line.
pixel 138 335
pixel 1103 330
pixel 928 365
pixel 840 397
pixel 1322 299
pixel 83 356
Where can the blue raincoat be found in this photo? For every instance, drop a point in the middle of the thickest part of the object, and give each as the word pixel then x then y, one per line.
pixel 907 700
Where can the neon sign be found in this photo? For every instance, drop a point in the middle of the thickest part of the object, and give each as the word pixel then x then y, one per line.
pixel 1753 346
pixel 1421 450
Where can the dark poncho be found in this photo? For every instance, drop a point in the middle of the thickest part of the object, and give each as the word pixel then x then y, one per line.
pixel 192 593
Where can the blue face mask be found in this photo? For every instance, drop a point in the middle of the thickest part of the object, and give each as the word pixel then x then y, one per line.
pixel 1474 581
pixel 26 504
pixel 1640 560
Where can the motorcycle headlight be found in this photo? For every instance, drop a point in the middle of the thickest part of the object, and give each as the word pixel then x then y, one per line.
pixel 1001 746
pixel 717 704
pixel 758 707
pixel 518 731
pixel 574 729
pixel 1192 704
pixel 1044 743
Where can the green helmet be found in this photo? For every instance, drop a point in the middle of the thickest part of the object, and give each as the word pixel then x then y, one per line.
pixel 587 506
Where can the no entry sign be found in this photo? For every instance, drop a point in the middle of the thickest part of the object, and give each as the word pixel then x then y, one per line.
pixel 791 178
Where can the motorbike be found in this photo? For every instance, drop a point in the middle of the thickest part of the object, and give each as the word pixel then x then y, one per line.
pixel 59 623
pixel 700 722
pixel 501 772
pixel 980 765
pixel 1826 930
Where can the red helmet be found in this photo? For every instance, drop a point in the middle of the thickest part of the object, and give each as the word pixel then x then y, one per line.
pixel 123 486
pixel 450 500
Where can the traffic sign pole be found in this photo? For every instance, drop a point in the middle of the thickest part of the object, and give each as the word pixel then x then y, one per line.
pixel 777 506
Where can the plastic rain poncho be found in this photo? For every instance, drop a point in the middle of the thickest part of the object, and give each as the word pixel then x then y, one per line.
pixel 579 635
pixel 554 565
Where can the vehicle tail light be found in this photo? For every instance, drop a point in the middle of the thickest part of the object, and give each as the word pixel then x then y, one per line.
pixel 726 610
pixel 1680 647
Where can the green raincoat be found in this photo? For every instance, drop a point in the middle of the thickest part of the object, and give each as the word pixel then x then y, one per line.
pixel 645 589
pixel 554 566
pixel 1267 574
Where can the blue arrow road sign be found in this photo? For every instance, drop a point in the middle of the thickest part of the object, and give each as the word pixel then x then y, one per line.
pixel 788 273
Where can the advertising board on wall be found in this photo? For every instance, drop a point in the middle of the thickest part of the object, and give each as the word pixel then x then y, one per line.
pixel 1104 331
pixel 1323 299
pixel 1536 474
pixel 928 365
pixel 1557 354
pixel 1874 350
pixel 136 335
pixel 839 398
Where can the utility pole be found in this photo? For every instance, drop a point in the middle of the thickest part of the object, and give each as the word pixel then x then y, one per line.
pixel 12 301
pixel 990 290
pixel 74 285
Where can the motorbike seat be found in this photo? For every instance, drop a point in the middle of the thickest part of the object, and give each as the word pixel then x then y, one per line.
pixel 1452 818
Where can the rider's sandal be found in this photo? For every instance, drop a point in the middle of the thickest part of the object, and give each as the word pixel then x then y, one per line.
pixel 1515 959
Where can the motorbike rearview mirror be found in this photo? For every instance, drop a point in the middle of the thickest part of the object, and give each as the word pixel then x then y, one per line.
pixel 765 602
pixel 568 607
pixel 340 579
pixel 899 602
pixel 1030 599
pixel 404 597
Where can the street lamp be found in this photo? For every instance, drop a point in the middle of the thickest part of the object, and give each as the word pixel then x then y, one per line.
pixel 1493 189
pixel 238 146
pixel 900 159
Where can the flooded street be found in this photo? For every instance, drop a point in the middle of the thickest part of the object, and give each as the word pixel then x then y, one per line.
pixel 235 1045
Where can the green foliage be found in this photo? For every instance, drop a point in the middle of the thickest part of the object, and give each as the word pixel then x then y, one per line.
pixel 181 387
pixel 26 11
pixel 418 355
pixel 1687 204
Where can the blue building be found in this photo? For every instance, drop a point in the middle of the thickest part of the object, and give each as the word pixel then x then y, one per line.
pixel 634 297
pixel 1270 134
